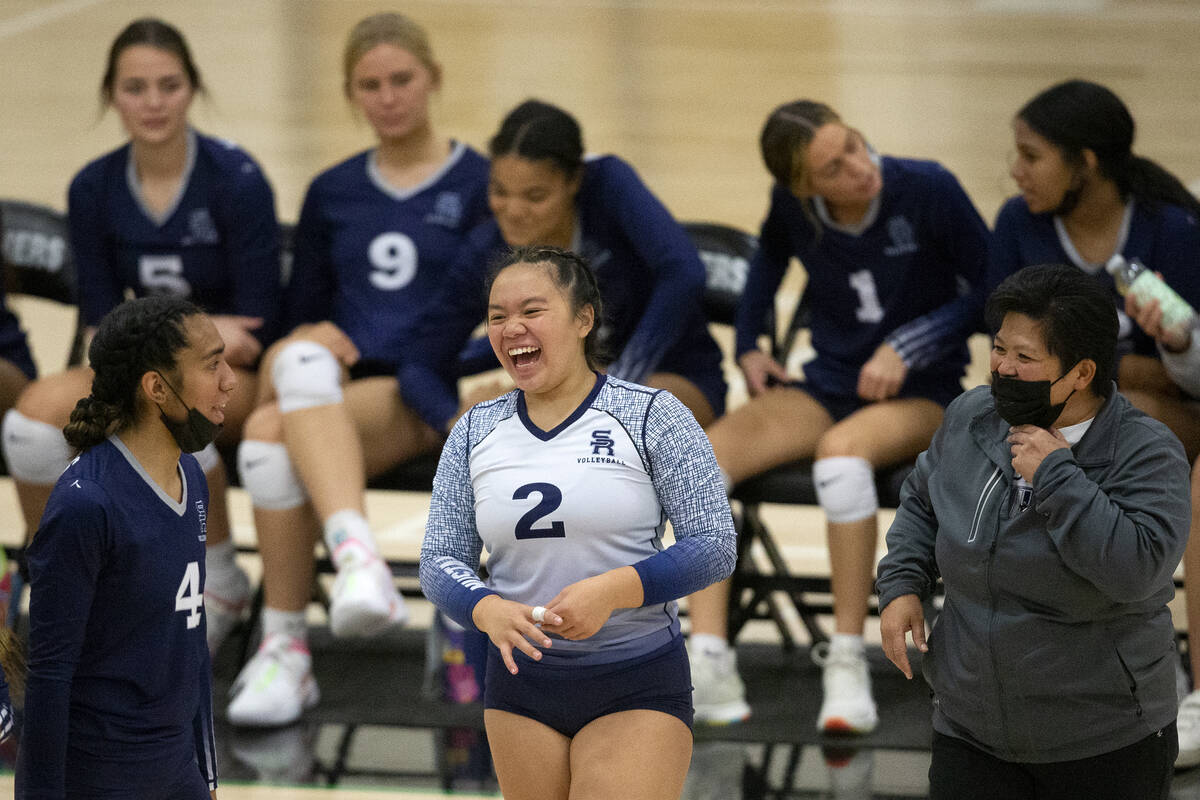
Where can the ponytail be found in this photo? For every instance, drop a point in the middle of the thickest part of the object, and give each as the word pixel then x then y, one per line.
pixel 1153 186
pixel 92 421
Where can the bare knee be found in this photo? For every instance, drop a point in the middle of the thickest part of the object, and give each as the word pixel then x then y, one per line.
pixel 265 424
pixel 841 441
pixel 51 399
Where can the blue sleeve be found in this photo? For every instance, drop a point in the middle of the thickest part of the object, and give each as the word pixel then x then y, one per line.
pixel 100 289
pixel 452 545
pixel 428 374
pixel 1004 255
pixel 963 240
pixel 678 272
pixel 1177 253
pixel 65 559
pixel 310 290
pixel 689 487
pixel 252 248
pixel 766 272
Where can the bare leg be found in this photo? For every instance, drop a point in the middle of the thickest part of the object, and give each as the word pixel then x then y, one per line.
pixel 532 760
pixel 48 400
pixel 633 755
pixel 881 433
pixel 1191 579
pixel 1180 415
pixel 774 428
pixel 687 392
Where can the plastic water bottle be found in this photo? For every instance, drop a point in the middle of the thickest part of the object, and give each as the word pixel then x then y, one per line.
pixel 1133 278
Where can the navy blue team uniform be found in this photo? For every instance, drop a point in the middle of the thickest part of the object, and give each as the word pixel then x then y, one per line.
pixel 1165 239
pixel 908 276
pixel 118 701
pixel 651 280
pixel 369 257
pixel 218 245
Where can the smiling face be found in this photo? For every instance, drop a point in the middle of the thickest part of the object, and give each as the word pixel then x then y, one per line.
pixel 392 87
pixel 151 93
pixel 838 167
pixel 1019 351
pixel 206 381
pixel 533 201
pixel 535 333
pixel 1042 174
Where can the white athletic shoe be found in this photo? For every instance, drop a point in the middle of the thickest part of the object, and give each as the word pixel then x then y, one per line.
pixel 364 600
pixel 1188 724
pixel 276 686
pixel 718 694
pixel 223 612
pixel 847 706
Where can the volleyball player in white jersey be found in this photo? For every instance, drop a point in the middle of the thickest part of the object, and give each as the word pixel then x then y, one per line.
pixel 568 481
pixel 376 234
pixel 170 212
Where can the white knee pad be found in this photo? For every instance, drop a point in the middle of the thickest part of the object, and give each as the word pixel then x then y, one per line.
pixel 306 375
pixel 268 476
pixel 845 488
pixel 208 457
pixel 36 452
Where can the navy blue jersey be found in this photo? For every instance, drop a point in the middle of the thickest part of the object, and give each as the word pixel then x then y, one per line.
pixel 907 275
pixel 1166 239
pixel 118 695
pixel 651 281
pixel 217 245
pixel 369 257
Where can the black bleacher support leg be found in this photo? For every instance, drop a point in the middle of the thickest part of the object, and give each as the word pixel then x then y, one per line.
pixel 763 587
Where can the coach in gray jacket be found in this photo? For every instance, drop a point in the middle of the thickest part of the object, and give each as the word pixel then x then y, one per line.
pixel 1055 514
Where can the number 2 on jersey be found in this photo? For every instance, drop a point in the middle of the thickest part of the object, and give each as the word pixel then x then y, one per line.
pixel 551 500
pixel 189 598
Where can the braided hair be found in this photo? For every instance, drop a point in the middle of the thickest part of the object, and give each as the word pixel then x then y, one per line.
pixel 134 338
pixel 572 275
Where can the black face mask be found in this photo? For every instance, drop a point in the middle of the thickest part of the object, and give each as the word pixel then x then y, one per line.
pixel 194 433
pixel 1021 402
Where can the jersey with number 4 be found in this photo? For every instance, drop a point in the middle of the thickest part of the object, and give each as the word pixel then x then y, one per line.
pixel 217 244
pixel 593 494
pixel 908 274
pixel 369 257
pixel 118 695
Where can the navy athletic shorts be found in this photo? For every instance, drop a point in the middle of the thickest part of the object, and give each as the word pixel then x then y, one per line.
pixel 840 406
pixel 567 697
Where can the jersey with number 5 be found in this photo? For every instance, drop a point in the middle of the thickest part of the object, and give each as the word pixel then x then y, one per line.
pixel 118 685
pixel 369 256
pixel 595 493
pixel 217 244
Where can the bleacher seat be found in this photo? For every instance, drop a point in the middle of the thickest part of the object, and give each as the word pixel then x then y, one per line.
pixel 38 262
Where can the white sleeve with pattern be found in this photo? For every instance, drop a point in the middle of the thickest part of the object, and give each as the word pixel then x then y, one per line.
pixel 451 548
pixel 689 486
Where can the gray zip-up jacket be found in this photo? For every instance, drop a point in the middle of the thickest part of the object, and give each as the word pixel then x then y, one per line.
pixel 1055 642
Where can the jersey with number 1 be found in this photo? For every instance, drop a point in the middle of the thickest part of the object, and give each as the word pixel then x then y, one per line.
pixel 369 257
pixel 909 274
pixel 593 494
pixel 217 244
pixel 118 694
